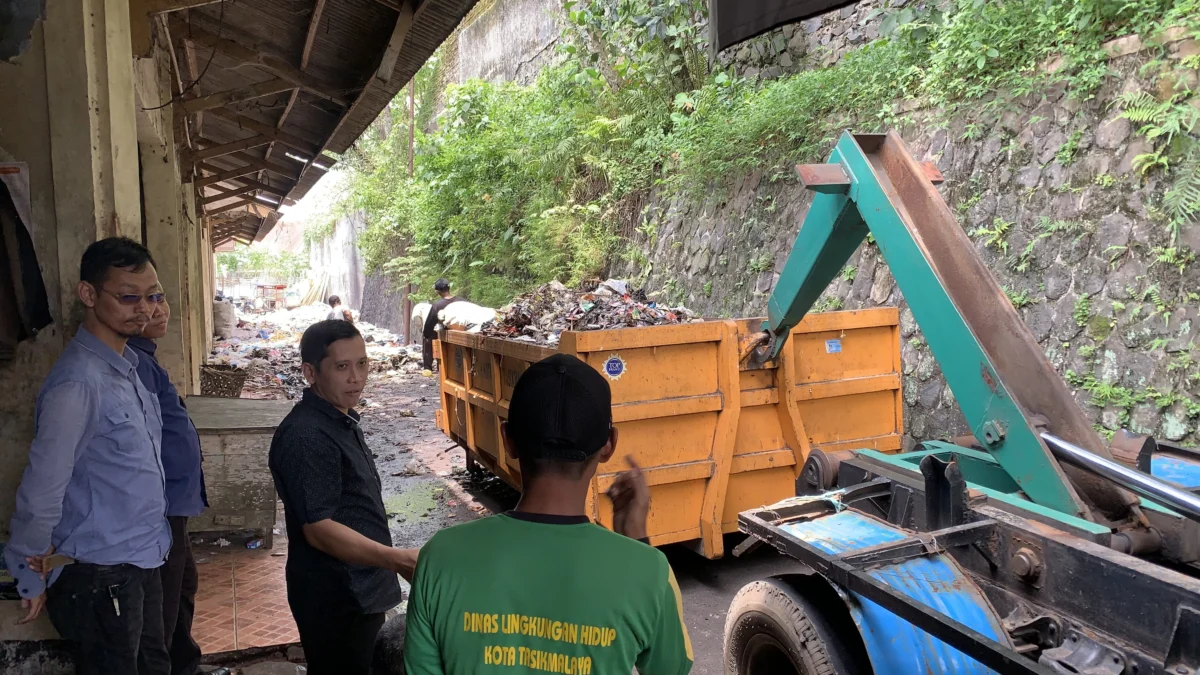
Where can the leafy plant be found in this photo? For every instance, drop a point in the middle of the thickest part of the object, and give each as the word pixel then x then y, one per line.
pixel 1181 201
pixel 849 272
pixel 762 263
pixel 1020 300
pixel 995 235
pixel 829 304
pixel 1178 257
pixel 1082 311
pixel 1066 153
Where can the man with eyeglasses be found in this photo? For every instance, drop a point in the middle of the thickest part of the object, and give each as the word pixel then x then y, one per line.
pixel 90 530
pixel 186 496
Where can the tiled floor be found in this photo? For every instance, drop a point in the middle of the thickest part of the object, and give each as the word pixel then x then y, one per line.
pixel 242 601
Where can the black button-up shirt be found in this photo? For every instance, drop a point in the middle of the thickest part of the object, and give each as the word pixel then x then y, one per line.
pixel 323 469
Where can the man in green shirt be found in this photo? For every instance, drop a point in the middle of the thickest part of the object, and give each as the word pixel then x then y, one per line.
pixel 541 589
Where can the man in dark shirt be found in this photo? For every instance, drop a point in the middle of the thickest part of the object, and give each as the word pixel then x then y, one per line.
pixel 186 496
pixel 442 287
pixel 341 567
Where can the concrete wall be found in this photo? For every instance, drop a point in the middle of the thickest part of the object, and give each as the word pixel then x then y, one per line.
pixel 241 491
pixel 383 303
pixel 510 41
pixel 337 256
pixel 25 137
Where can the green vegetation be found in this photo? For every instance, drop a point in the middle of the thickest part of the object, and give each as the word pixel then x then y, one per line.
pixel 828 304
pixel 761 263
pixel 995 236
pixel 1082 312
pixel 1066 153
pixel 1021 299
pixel 247 262
pixel 517 185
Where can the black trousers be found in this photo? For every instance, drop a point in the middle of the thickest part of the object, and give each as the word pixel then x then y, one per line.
pixel 179 583
pixel 427 354
pixel 113 616
pixel 336 644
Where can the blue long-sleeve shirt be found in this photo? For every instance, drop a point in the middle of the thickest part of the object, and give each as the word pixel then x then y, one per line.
pixel 181 457
pixel 94 486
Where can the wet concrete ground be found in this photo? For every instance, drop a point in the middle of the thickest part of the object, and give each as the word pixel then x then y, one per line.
pixel 398 421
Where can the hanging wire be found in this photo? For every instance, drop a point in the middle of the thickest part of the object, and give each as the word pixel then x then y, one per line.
pixel 187 90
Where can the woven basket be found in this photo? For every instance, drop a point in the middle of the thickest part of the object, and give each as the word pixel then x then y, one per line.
pixel 221 380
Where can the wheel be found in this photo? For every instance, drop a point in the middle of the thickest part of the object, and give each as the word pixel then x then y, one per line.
pixel 474 470
pixel 774 630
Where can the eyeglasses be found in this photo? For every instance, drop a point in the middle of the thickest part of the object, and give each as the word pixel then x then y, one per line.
pixel 132 299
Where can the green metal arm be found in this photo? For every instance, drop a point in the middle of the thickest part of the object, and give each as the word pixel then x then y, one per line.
pixel 998 374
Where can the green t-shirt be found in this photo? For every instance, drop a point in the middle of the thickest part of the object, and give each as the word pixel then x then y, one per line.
pixel 503 595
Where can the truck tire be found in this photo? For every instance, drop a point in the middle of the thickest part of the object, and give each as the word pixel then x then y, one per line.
pixel 773 630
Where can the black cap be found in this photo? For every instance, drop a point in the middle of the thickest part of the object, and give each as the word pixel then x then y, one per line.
pixel 441 285
pixel 561 409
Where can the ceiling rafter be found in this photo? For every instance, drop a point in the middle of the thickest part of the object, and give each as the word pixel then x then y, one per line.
pixel 161 6
pixel 215 149
pixel 292 174
pixel 310 40
pixel 246 182
pixel 273 65
pixel 219 175
pixel 221 99
pixel 404 23
pixel 307 146
pixel 229 207
pixel 420 10
pixel 227 195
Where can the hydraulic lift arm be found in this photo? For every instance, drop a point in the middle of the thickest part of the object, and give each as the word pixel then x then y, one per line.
pixel 999 375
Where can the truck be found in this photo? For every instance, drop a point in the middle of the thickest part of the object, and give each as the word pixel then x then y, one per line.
pixel 715 434
pixel 1030 546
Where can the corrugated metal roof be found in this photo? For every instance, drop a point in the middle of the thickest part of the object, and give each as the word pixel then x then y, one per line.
pixel 255 40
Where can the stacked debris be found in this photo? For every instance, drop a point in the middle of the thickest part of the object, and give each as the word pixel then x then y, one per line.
pixel 541 316
pixel 268 346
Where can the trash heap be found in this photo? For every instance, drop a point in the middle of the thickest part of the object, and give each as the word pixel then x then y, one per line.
pixel 268 346
pixel 541 316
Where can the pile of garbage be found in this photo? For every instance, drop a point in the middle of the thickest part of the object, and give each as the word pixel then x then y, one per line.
pixel 268 346
pixel 541 316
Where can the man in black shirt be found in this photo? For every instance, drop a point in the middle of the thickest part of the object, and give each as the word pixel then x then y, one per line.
pixel 442 287
pixel 341 567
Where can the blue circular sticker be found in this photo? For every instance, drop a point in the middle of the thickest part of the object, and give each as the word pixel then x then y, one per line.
pixel 614 367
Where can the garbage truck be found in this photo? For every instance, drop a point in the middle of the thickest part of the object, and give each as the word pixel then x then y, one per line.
pixel 714 433
pixel 1030 546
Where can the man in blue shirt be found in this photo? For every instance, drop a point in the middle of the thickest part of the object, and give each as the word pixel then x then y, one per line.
pixel 185 496
pixel 94 489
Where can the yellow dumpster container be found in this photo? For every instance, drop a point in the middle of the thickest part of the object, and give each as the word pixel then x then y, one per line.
pixel 713 436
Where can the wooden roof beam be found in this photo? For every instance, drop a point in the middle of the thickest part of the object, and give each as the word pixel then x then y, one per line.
pixel 282 170
pixel 313 24
pixel 229 207
pixel 271 64
pixel 404 24
pixel 215 149
pixel 227 195
pixel 304 145
pixel 230 96
pixel 220 176
pixel 161 6
pixel 245 182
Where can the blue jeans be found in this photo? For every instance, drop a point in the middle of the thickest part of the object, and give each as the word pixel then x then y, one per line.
pixel 113 615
